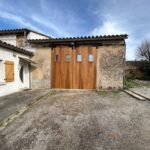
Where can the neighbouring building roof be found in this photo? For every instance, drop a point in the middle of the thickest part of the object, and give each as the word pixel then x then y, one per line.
pixel 76 39
pixel 21 30
pixel 14 48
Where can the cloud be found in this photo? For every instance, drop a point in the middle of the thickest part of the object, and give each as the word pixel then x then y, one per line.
pixel 117 17
pixel 48 24
pixel 57 18
pixel 78 18
pixel 63 17
pixel 19 20
pixel 38 20
pixel 111 22
pixel 108 28
pixel 115 27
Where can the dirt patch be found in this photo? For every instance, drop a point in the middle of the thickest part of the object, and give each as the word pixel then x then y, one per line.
pixel 81 120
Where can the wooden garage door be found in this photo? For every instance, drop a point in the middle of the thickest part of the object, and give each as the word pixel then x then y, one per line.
pixel 74 68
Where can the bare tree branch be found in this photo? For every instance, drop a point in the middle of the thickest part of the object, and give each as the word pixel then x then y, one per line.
pixel 143 50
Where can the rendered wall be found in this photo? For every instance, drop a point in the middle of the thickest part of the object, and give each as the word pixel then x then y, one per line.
pixel 16 85
pixel 33 35
pixel 41 75
pixel 11 39
pixel 110 66
pixel 20 41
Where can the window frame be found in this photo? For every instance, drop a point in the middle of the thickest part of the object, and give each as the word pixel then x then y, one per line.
pixel 66 59
pixel 79 61
pixel 57 59
pixel 89 59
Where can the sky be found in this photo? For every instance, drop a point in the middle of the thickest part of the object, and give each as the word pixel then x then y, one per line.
pixel 73 18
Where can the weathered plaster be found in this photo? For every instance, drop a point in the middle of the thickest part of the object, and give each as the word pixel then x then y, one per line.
pixel 11 39
pixel 32 35
pixel 41 76
pixel 110 66
pixel 20 40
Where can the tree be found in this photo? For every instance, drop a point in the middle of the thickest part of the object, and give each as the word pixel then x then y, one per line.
pixel 143 50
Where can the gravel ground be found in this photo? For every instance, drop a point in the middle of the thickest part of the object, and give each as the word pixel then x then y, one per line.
pixel 145 91
pixel 143 88
pixel 81 121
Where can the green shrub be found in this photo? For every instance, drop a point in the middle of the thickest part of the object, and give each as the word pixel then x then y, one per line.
pixel 129 83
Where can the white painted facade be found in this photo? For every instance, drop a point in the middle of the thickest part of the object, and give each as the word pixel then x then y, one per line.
pixel 17 84
pixel 10 39
pixel 9 55
pixel 32 35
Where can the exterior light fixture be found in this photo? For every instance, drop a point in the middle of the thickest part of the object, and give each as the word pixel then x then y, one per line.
pixel 72 44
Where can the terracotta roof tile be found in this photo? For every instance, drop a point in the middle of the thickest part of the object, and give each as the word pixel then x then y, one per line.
pixel 20 30
pixel 104 37
pixel 14 48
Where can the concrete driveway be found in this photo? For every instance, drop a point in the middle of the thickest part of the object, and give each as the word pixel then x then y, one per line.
pixel 81 121
pixel 10 104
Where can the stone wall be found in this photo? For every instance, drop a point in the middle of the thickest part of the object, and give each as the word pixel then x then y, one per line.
pixel 41 75
pixel 137 70
pixel 20 40
pixel 110 66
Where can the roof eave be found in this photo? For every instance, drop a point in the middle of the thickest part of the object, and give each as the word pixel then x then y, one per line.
pixel 76 39
pixel 22 30
pixel 16 49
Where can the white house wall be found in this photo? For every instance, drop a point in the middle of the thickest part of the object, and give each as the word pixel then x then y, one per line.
pixel 16 85
pixel 33 35
pixel 11 39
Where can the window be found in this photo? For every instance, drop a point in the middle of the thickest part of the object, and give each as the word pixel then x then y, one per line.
pixel 68 58
pixel 57 59
pixel 9 71
pixel 79 58
pixel 91 58
pixel 21 74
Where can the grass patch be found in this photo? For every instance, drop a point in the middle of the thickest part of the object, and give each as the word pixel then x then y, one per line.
pixel 53 92
pixel 116 92
pixel 129 83
pixel 1 123
pixel 113 92
pixel 102 93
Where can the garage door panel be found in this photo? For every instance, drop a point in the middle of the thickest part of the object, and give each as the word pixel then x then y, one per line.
pixel 72 73
pixel 92 66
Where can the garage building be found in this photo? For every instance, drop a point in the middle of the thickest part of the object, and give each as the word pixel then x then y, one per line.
pixel 95 62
